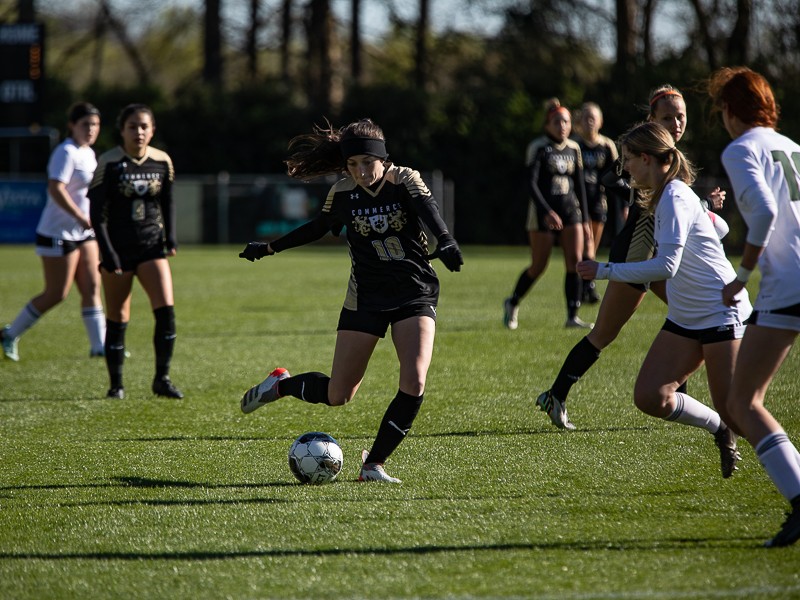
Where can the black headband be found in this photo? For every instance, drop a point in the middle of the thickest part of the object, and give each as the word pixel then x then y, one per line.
pixel 353 146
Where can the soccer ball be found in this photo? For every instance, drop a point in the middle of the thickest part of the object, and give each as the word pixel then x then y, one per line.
pixel 315 457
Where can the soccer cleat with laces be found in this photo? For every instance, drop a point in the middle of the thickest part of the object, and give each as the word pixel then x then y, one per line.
pixel 265 392
pixel 510 314
pixel 725 439
pixel 164 387
pixel 789 532
pixel 555 409
pixel 10 345
pixel 116 393
pixel 374 471
pixel 577 323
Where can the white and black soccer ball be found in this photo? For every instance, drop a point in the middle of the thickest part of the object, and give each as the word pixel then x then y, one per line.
pixel 315 457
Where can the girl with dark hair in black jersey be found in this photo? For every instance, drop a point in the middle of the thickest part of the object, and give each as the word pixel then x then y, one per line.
pixel 557 207
pixel 383 208
pixel 134 217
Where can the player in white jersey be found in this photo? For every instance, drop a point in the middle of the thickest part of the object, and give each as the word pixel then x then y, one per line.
pixel 699 327
pixel 64 237
pixel 764 169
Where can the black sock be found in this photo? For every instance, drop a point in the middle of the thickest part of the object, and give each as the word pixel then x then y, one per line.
pixel 572 290
pixel 164 339
pixel 524 283
pixel 579 360
pixel 683 388
pixel 114 347
pixel 396 424
pixel 311 387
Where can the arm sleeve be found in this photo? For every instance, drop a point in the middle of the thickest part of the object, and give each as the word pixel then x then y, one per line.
pixel 533 185
pixel 663 266
pixel 168 211
pixel 98 213
pixel 754 197
pixel 306 233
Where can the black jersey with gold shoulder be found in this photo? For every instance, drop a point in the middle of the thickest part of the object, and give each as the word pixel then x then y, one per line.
pixel 555 174
pixel 597 157
pixel 388 246
pixel 131 202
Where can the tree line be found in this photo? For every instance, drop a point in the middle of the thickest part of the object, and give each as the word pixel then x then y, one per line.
pixel 230 91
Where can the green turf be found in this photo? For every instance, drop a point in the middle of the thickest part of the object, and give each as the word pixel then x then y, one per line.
pixel 155 498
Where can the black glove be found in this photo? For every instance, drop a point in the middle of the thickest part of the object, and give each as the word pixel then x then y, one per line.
pixel 448 252
pixel 255 251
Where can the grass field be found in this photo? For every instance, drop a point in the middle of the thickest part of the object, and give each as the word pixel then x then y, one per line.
pixel 153 498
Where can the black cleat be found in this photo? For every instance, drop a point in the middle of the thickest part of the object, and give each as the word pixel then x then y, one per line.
pixel 789 533
pixel 165 387
pixel 117 393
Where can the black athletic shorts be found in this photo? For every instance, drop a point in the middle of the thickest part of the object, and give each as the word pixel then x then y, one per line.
pixel 57 247
pixel 129 260
pixel 376 322
pixel 711 335
pixel 598 209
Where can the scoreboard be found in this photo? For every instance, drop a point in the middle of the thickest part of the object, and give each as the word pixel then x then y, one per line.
pixel 21 74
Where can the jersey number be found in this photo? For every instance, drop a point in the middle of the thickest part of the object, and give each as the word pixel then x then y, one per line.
pixel 389 249
pixel 790 173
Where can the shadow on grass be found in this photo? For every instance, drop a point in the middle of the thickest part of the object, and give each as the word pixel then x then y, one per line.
pixel 635 545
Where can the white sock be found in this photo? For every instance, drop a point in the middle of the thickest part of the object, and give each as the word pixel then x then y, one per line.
pixel 26 319
pixel 779 458
pixel 689 411
pixel 95 322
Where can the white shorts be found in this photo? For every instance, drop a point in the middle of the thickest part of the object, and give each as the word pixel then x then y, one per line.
pixel 56 247
pixel 765 318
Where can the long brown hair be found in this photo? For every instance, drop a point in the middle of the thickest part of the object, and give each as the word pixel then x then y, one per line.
pixel 319 153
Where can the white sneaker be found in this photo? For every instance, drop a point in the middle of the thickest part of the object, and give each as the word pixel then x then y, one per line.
pixel 555 409
pixel 10 347
pixel 510 314
pixel 374 471
pixel 265 392
pixel 577 323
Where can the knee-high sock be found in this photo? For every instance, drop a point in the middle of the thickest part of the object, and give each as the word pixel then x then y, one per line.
pixel 572 291
pixel 26 319
pixel 164 339
pixel 115 351
pixel 95 323
pixel 689 411
pixel 524 283
pixel 396 424
pixel 579 360
pixel 311 387
pixel 779 457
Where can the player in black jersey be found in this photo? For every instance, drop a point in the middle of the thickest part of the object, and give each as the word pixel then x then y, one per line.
pixel 557 206
pixel 634 243
pixel 133 215
pixel 382 208
pixel 598 153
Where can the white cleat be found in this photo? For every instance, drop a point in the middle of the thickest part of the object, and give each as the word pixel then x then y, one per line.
pixel 265 392
pixel 510 314
pixel 555 409
pixel 10 347
pixel 374 471
pixel 577 323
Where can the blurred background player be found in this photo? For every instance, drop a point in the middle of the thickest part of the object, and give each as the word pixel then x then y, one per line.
pixel 134 215
pixel 598 153
pixel 557 207
pixel 764 169
pixel 392 284
pixel 65 239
